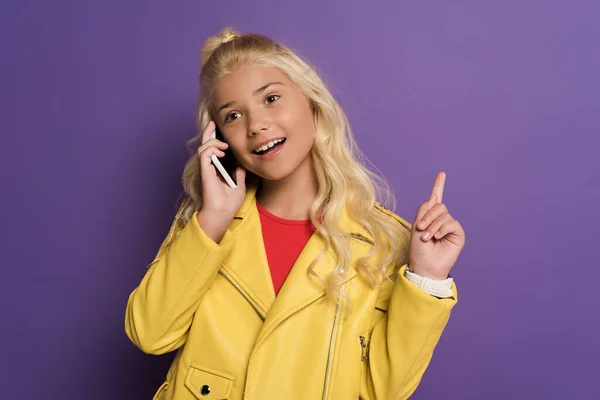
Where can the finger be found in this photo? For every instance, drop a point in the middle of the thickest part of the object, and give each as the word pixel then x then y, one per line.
pixel 426 206
pixel 438 186
pixel 435 226
pixel 448 227
pixel 206 154
pixel 240 177
pixel 210 128
pixel 213 142
pixel 431 216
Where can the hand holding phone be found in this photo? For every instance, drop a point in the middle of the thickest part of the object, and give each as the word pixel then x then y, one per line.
pixel 220 167
pixel 223 182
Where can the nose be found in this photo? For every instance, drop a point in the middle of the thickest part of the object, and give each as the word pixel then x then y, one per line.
pixel 257 123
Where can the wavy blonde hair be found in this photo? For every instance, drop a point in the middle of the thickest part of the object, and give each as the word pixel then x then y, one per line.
pixel 340 166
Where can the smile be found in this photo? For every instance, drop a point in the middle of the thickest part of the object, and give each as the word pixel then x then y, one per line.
pixel 268 147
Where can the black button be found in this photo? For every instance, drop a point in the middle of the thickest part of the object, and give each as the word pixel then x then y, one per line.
pixel 204 390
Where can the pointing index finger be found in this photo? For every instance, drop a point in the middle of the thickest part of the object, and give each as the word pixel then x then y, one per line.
pixel 438 186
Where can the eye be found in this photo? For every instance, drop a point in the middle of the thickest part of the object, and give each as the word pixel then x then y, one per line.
pixel 229 118
pixel 272 98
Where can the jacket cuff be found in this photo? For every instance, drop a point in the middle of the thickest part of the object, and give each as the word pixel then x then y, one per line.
pixel 414 291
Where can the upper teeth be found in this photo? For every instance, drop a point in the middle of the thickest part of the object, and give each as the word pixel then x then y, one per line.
pixel 268 145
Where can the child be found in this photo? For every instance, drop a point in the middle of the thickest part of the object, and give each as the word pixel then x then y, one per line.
pixel 297 283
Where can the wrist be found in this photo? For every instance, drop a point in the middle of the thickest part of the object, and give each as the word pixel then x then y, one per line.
pixel 213 225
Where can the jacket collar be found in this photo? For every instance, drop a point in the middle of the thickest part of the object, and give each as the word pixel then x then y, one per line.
pixel 248 270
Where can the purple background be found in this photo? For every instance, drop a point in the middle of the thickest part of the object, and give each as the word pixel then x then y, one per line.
pixel 98 98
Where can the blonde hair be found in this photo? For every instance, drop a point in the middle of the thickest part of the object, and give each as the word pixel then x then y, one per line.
pixel 340 166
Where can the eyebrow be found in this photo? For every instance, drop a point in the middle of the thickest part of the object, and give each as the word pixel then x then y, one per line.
pixel 257 91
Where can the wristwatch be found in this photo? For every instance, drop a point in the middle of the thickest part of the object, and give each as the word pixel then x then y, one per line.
pixel 434 287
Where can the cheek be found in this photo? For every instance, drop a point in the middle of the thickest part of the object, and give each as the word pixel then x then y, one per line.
pixel 237 147
pixel 300 124
pixel 306 130
pixel 240 154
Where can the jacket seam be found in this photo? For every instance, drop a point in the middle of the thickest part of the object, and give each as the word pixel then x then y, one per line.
pixel 375 308
pixel 248 295
pixel 180 296
pixel 412 368
pixel 246 289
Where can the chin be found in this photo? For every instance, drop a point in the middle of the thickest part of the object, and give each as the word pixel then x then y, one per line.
pixel 271 177
pixel 275 174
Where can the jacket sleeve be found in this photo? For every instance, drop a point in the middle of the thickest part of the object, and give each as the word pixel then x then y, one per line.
pixel 160 310
pixel 402 341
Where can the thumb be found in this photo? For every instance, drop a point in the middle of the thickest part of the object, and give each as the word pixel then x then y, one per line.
pixel 240 176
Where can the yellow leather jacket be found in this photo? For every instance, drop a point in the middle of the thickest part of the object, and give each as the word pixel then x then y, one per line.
pixel 215 304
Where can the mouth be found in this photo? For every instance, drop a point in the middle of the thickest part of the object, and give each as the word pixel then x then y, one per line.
pixel 269 147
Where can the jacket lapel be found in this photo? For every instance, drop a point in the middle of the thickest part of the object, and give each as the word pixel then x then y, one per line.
pixel 248 270
pixel 247 267
pixel 301 287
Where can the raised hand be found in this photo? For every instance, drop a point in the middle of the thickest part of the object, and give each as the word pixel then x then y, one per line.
pixel 436 239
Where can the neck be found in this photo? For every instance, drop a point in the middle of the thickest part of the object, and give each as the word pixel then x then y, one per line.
pixel 292 196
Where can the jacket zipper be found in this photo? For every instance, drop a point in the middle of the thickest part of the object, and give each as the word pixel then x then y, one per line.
pixel 365 352
pixel 330 352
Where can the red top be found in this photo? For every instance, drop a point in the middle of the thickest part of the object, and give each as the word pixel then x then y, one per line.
pixel 284 240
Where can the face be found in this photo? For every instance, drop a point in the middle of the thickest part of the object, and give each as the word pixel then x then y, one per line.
pixel 266 120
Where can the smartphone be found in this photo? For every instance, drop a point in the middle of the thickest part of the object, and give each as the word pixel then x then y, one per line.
pixel 225 165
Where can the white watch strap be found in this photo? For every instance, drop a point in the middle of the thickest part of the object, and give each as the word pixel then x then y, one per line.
pixel 437 288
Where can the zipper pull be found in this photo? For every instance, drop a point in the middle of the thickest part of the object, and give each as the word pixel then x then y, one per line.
pixel 363 344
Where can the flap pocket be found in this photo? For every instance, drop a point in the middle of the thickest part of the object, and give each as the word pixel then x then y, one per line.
pixel 207 383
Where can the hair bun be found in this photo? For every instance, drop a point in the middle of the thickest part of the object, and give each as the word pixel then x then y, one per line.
pixel 211 44
pixel 228 36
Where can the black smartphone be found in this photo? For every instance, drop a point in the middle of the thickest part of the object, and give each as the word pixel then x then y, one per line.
pixel 225 165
